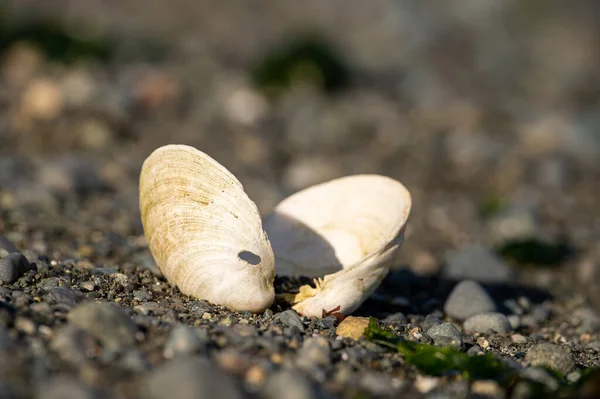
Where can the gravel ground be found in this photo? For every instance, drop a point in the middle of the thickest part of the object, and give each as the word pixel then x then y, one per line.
pixel 486 111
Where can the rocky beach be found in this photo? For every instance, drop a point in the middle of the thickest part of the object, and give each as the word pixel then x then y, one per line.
pixel 487 111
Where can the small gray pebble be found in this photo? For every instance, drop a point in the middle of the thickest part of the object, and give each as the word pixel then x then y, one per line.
pixel 514 320
pixel 268 313
pixel 540 313
pixel 587 320
pixel 481 323
pixel 184 340
pixel 108 323
pixel 190 377
pixel 49 283
pixel 315 352
pixel 142 295
pixel 475 350
pixel 13 266
pixel 295 386
pixel 290 318
pixel 327 322
pixel 200 307
pixel 63 296
pixel 445 334
pixel 397 319
pixel 430 321
pixel 518 339
pixel 7 245
pixel 467 299
pixel 550 355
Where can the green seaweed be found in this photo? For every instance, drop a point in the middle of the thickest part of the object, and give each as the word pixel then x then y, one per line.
pixel 306 59
pixel 531 251
pixel 437 361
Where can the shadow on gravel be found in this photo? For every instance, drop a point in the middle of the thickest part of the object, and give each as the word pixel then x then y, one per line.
pixel 405 292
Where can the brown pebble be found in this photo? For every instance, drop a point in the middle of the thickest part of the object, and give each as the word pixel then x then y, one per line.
pixel 352 327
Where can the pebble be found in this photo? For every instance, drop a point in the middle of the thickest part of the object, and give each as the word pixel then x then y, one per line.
pixel 476 263
pixel 352 327
pixel 190 377
pixel 295 386
pixel 13 266
pixel 200 307
pixel 550 355
pixel 587 320
pixel 518 339
pixel 315 351
pixel 468 299
pixel 430 321
pixel 327 322
pixel 74 345
pixel 396 319
pixel 445 334
pixel 481 323
pixel 106 322
pixel 63 296
pixel 291 319
pixel 185 340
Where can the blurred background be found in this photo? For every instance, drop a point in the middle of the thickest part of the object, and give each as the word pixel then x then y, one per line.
pixel 487 110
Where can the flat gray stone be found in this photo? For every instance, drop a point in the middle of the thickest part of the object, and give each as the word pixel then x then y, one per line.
pixel 481 323
pixel 291 319
pixel 468 299
pixel 445 334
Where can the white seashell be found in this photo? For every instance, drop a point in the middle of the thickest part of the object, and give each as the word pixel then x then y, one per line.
pixel 347 230
pixel 203 231
pixel 207 238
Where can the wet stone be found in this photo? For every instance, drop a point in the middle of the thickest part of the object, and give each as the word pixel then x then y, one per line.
pixel 200 307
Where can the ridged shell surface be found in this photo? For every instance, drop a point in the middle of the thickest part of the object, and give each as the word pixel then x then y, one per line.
pixel 203 231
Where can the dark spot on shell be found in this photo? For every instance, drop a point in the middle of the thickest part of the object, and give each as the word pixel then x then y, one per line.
pixel 249 257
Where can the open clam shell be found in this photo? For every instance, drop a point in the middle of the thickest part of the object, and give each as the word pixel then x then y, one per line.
pixel 207 236
pixel 347 231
